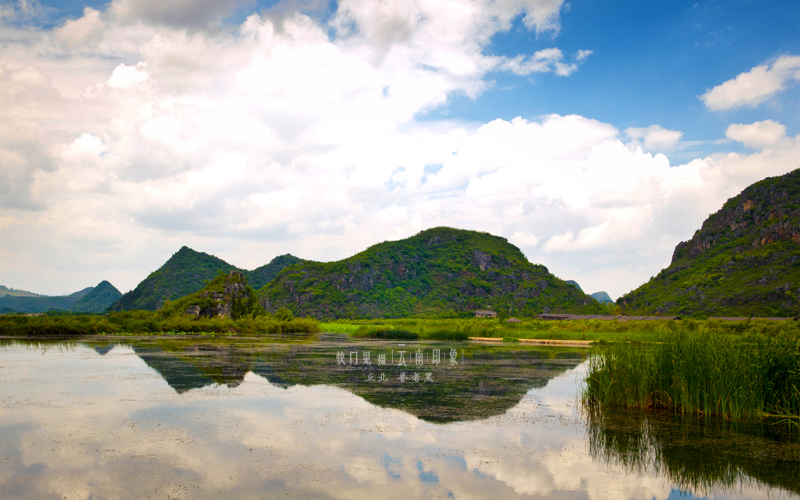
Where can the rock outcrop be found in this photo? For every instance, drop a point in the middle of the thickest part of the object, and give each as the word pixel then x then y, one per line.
pixel 220 303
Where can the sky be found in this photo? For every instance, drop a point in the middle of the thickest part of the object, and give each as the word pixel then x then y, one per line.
pixel 594 136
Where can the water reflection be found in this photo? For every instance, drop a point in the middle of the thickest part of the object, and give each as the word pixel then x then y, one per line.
pixel 181 419
pixel 698 455
pixel 481 382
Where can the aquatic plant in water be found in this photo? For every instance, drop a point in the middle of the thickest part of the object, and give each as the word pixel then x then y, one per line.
pixel 750 376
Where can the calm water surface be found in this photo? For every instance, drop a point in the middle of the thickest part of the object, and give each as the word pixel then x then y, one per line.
pixel 155 418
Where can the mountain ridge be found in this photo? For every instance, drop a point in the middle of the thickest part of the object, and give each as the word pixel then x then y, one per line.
pixel 13 292
pixel 42 303
pixel 187 272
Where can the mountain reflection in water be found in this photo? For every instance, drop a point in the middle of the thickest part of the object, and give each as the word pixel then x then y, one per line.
pixel 170 418
pixel 483 381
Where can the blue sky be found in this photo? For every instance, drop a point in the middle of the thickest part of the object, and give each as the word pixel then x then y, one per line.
pixel 593 135
pixel 651 60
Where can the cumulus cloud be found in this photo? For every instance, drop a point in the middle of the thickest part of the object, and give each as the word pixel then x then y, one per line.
pixel 654 137
pixel 128 77
pixel 757 135
pixel 75 32
pixel 755 86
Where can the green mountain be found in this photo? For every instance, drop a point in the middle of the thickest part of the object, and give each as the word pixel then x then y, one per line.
pixel 12 292
pixel 98 300
pixel 42 303
pixel 575 284
pixel 186 272
pixel 602 297
pixel 261 276
pixel 440 270
pixel 745 261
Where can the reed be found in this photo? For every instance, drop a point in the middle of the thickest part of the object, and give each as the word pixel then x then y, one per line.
pixel 750 376
pixel 146 322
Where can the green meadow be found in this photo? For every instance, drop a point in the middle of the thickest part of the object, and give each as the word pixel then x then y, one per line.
pixel 600 331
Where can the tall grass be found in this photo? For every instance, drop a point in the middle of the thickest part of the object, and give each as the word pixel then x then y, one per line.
pixel 147 322
pixel 697 371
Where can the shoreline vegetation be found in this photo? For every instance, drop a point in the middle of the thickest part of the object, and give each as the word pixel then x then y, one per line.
pixel 600 332
pixel 749 376
pixel 148 323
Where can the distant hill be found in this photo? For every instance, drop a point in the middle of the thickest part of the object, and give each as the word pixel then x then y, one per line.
pixel 11 292
pixel 186 272
pixel 744 261
pixel 41 303
pixel 441 270
pixel 98 300
pixel 602 297
pixel 259 277
pixel 575 284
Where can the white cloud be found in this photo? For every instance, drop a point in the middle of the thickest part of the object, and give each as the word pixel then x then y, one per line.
pixel 543 61
pixel 755 86
pixel 654 137
pixel 583 54
pixel 128 77
pixel 757 135
pixel 524 239
pixel 19 10
pixel 78 31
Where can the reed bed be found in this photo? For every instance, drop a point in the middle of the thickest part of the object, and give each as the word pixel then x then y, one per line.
pixel 749 376
pixel 144 322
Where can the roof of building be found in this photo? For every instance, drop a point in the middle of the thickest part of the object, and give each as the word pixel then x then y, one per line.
pixel 602 317
pixel 513 320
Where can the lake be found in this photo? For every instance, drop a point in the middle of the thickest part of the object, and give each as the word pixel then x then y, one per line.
pixel 327 417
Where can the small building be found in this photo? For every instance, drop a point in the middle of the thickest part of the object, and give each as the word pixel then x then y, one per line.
pixel 513 320
pixel 482 313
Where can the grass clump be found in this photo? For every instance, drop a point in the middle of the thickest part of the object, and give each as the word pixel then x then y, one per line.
pixel 385 334
pixel 751 376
